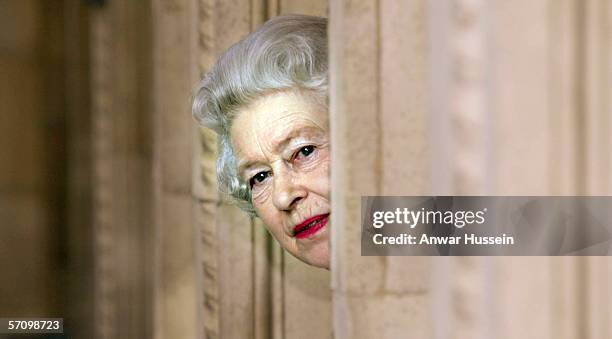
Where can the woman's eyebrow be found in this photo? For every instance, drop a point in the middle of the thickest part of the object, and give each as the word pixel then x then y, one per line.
pixel 244 165
pixel 296 132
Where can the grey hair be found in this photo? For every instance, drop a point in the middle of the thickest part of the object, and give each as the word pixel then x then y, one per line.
pixel 287 52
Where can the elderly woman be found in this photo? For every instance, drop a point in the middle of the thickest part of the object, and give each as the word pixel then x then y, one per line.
pixel 266 98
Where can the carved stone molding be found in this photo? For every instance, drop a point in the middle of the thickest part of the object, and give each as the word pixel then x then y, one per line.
pixel 106 275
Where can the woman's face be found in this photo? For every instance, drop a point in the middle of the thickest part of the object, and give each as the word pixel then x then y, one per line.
pixel 281 143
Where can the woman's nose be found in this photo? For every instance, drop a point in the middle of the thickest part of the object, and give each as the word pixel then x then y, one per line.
pixel 287 190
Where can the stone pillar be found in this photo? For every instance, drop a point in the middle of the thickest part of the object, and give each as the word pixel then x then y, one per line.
pixel 597 101
pixel 504 129
pixel 226 246
pixel 79 240
pixel 516 107
pixel 122 163
pixel 32 172
pixel 378 100
pixel 567 302
pixel 175 71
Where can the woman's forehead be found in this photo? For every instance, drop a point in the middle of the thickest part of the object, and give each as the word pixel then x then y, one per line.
pixel 274 119
pixel 274 139
pixel 282 107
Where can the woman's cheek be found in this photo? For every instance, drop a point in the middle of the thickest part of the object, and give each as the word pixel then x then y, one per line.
pixel 321 176
pixel 317 160
pixel 260 196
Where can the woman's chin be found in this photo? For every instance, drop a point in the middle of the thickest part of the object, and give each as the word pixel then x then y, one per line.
pixel 323 263
pixel 315 251
pixel 319 259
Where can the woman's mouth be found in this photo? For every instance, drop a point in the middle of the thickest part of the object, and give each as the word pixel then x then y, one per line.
pixel 310 226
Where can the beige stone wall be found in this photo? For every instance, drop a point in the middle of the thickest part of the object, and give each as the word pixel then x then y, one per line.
pixel 45 192
pixel 31 154
pixel 468 97
pixel 176 284
pixel 144 65
pixel 78 240
pixel 123 158
pixel 378 102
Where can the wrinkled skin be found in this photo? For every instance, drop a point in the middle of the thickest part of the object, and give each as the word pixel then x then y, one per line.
pixel 281 141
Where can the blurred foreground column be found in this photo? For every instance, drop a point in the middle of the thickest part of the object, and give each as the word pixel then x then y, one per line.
pixel 529 115
pixel 176 283
pixel 378 100
pixel 122 162
pixel 519 105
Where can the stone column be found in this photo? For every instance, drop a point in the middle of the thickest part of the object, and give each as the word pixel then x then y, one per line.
pixel 597 107
pixel 32 172
pixel 516 107
pixel 175 71
pixel 503 130
pixel 79 274
pixel 226 246
pixel 122 163
pixel 378 100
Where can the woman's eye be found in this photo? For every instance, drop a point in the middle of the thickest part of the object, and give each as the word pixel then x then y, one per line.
pixel 305 151
pixel 259 178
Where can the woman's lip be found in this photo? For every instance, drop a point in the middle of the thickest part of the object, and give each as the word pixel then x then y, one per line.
pixel 300 231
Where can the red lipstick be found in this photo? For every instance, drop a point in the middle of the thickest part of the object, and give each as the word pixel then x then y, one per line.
pixel 310 226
